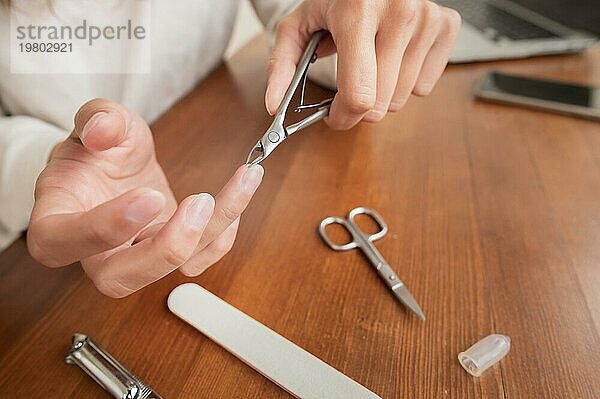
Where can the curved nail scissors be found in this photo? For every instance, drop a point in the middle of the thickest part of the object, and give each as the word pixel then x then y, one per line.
pixel 277 132
pixel 364 241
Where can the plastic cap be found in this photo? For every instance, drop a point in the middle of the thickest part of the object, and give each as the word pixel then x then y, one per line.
pixel 484 354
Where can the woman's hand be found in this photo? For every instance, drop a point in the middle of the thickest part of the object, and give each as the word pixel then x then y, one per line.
pixel 104 200
pixel 387 49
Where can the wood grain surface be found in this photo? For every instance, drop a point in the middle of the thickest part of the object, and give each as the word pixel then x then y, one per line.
pixel 494 216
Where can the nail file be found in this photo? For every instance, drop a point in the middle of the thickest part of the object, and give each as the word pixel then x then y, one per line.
pixel 292 368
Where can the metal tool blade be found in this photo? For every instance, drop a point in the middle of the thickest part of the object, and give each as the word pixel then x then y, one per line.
pixel 256 155
pixel 404 296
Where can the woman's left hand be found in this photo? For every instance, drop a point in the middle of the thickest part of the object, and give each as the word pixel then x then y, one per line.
pixel 387 49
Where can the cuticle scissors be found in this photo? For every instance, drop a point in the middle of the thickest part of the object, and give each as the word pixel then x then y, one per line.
pixel 277 132
pixel 365 242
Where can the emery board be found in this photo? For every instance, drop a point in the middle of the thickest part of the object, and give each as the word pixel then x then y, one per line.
pixel 286 364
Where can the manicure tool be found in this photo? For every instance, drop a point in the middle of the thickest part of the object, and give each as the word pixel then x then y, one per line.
pixel 107 371
pixel 292 368
pixel 277 132
pixel 365 242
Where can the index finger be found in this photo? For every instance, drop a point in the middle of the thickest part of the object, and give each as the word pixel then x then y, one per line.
pixel 356 75
pixel 231 201
pixel 134 267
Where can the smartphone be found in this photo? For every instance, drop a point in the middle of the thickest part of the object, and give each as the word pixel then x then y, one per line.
pixel 565 98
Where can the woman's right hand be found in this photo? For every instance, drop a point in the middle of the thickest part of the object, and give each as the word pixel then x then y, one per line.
pixel 104 200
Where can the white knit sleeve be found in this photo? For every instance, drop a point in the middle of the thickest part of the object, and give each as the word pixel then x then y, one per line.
pixel 25 146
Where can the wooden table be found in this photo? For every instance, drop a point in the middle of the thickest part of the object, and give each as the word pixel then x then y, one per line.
pixel 494 216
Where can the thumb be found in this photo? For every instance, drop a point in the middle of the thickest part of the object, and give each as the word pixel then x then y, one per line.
pixel 101 124
pixel 57 239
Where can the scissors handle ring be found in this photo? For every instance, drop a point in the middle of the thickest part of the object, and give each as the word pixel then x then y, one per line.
pixel 332 220
pixel 375 216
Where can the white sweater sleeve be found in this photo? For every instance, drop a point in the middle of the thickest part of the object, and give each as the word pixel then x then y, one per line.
pixel 271 11
pixel 25 146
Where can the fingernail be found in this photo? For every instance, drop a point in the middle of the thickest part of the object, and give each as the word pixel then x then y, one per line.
pixel 233 225
pixel 252 178
pixel 375 114
pixel 198 212
pixel 267 100
pixel 92 123
pixel 273 99
pixel 145 208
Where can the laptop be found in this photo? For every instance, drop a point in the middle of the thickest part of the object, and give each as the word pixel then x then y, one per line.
pixel 497 29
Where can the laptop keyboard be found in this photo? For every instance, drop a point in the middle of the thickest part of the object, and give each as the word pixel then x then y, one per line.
pixel 495 22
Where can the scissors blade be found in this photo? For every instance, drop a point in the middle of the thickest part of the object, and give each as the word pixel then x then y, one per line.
pixel 256 155
pixel 404 296
pixel 153 395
